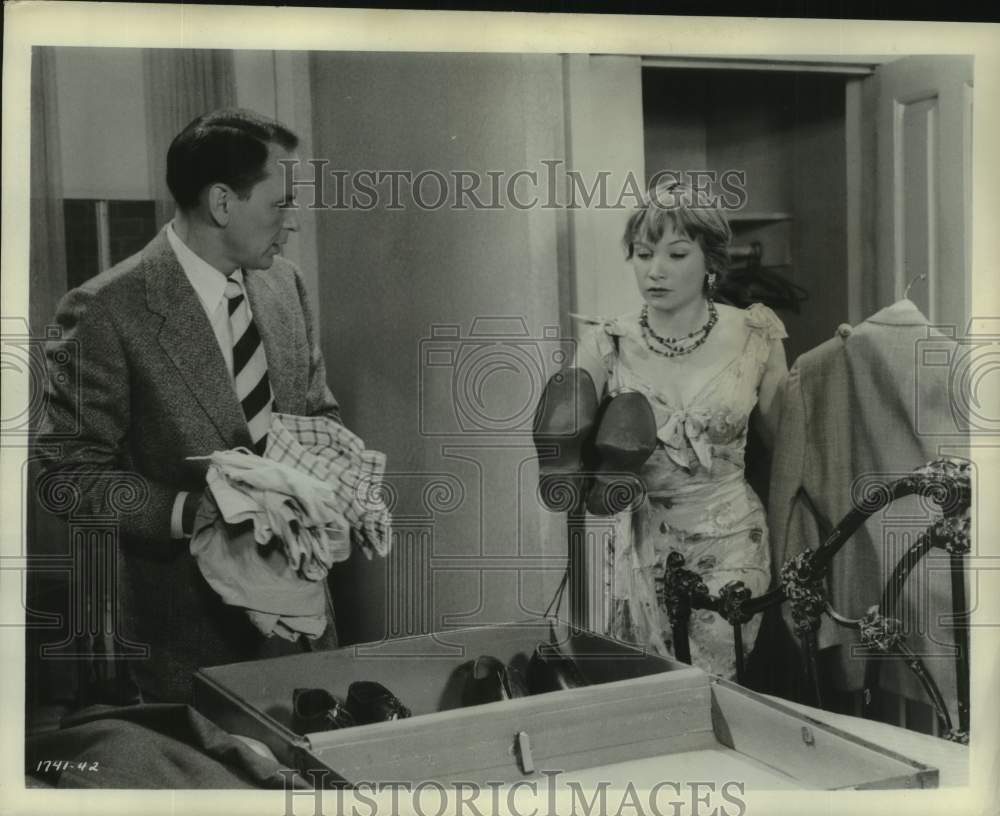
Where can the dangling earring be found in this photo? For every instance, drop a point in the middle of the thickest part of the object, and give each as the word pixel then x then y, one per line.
pixel 711 285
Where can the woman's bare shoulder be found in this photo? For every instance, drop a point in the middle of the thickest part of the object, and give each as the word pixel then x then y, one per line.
pixel 732 322
pixel 730 313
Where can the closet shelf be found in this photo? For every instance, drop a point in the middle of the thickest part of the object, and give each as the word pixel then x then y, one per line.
pixel 752 217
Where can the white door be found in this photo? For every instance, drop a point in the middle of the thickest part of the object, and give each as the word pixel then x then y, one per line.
pixel 920 208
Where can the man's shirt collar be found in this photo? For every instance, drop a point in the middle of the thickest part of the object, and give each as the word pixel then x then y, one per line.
pixel 208 282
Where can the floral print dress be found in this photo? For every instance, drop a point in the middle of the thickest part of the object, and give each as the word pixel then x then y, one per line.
pixel 698 502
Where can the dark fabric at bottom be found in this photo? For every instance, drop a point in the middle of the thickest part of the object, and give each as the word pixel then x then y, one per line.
pixel 159 745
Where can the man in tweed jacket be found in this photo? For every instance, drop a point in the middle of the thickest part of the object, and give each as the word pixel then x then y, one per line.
pixel 156 387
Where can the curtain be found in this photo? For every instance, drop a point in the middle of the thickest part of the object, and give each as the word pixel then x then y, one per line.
pixel 45 535
pixel 181 84
pixel 47 249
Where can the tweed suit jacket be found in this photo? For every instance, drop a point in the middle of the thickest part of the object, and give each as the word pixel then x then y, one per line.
pixel 859 409
pixel 150 389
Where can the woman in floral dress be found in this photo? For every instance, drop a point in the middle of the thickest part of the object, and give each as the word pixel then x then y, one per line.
pixel 703 368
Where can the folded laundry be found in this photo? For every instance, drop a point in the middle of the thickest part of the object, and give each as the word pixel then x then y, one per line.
pixel 292 507
pixel 331 453
pixel 257 578
pixel 275 524
pixel 240 470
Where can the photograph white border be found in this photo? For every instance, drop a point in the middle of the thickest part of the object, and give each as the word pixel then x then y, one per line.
pixel 233 27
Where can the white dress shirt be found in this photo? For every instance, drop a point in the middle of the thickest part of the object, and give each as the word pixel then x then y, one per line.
pixel 210 286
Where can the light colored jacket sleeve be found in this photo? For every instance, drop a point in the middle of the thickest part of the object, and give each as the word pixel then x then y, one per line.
pixel 785 506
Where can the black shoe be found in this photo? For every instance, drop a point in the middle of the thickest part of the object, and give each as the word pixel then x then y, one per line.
pixel 490 681
pixel 371 702
pixel 625 439
pixel 563 431
pixel 551 670
pixel 318 710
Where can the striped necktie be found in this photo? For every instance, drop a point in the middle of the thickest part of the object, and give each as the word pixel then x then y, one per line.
pixel 253 389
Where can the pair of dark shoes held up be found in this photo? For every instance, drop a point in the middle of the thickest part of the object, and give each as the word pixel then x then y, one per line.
pixel 590 453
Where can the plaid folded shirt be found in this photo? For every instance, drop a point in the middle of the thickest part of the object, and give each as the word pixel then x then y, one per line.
pixel 328 451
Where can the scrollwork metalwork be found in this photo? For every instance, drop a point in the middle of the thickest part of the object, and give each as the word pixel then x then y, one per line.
pixel 682 588
pixel 732 598
pixel 880 631
pixel 946 482
pixel 952 533
pixel 804 591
